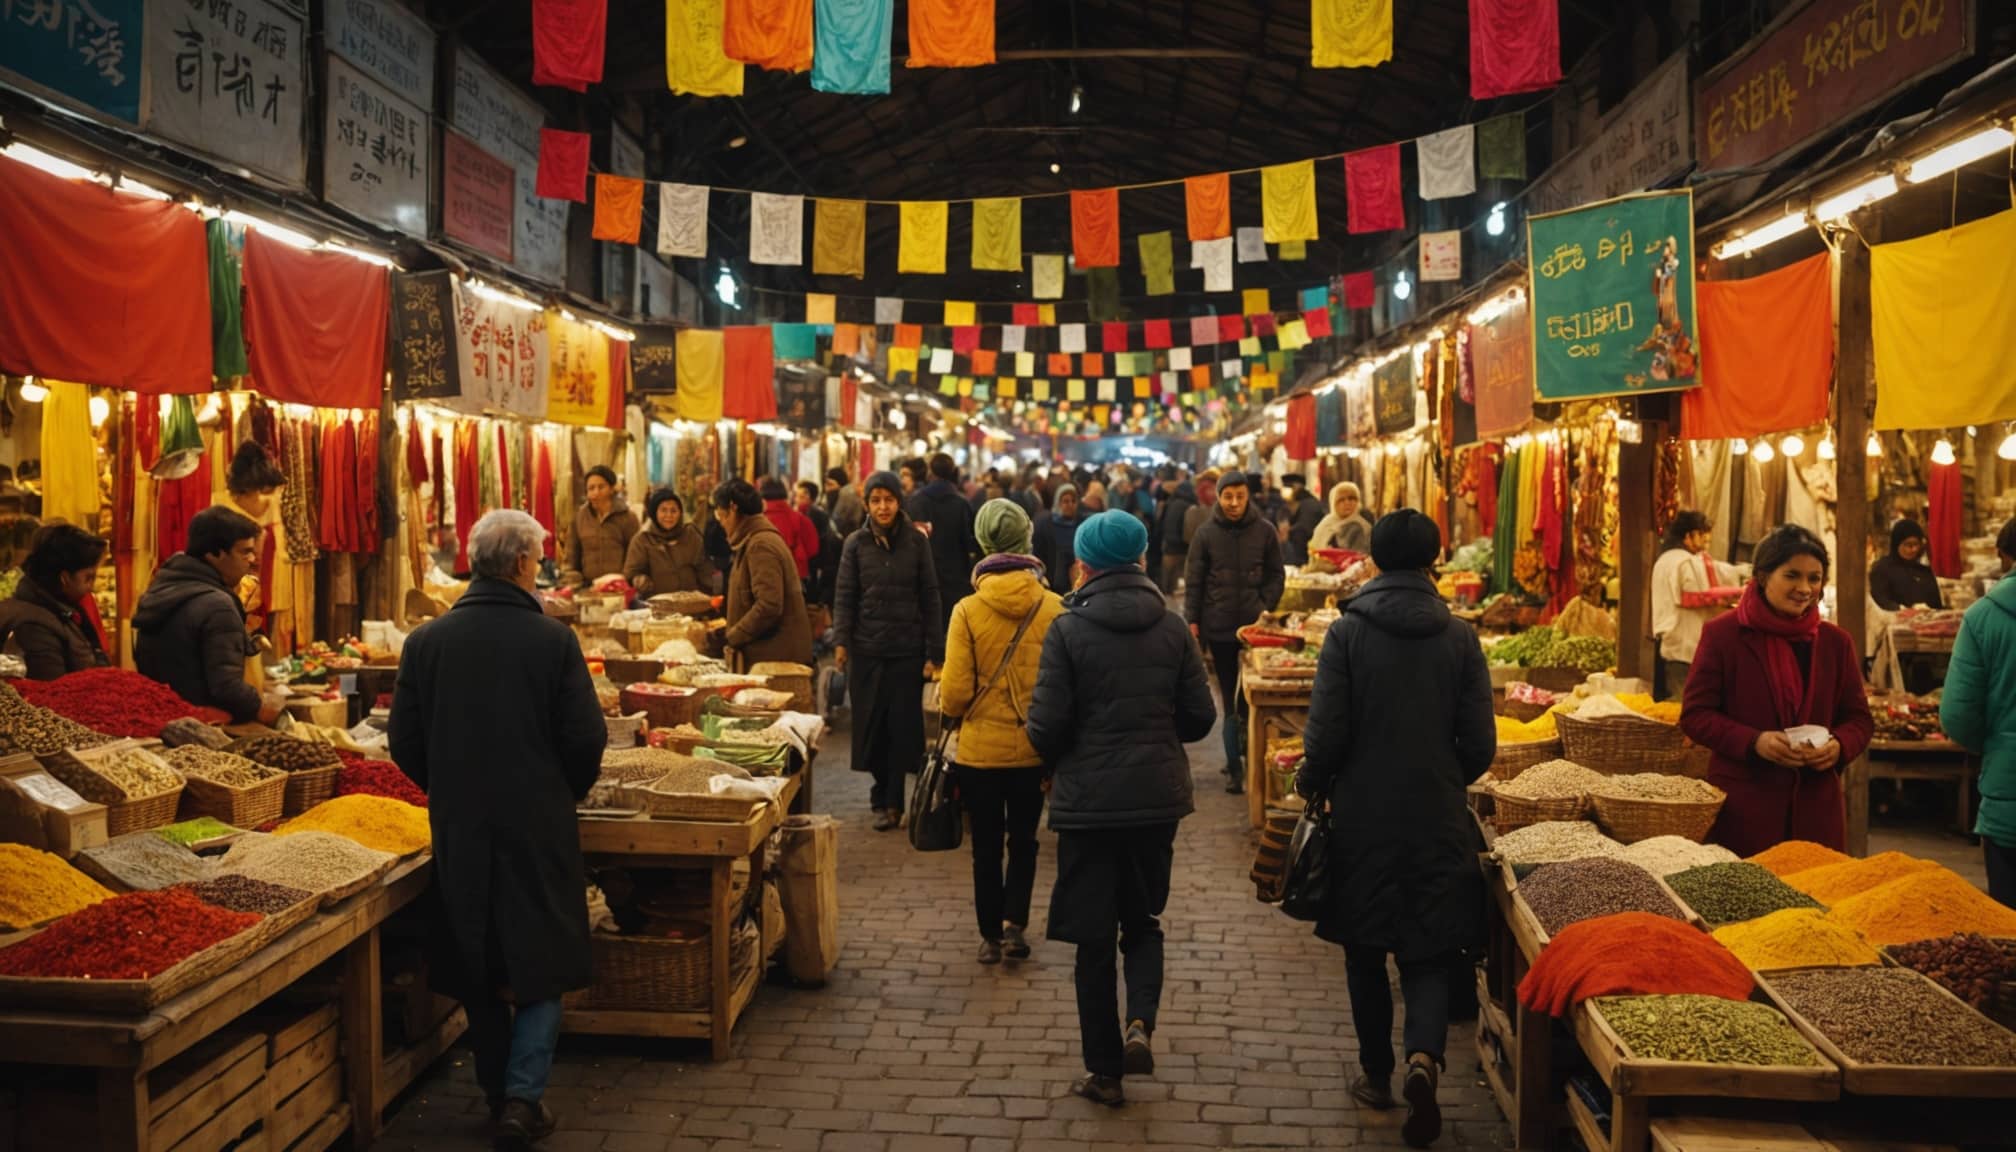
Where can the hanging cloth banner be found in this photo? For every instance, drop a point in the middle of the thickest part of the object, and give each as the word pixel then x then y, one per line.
pixel 1252 245
pixel 1501 365
pixel 654 359
pixel 1350 34
pixel 1288 202
pixel 1158 262
pixel 1207 206
pixel 951 33
pixel 421 356
pixel 567 40
pixel 1448 162
pixel 776 229
pixel 563 165
pixel 1393 394
pixel 1046 274
pixel 839 242
pixel 1501 147
pixel 501 355
pixel 701 357
pixel 577 385
pixel 1203 331
pixel 1259 303
pixel 1215 258
pixel 1612 287
pixel 1095 228
pixel 227 298
pixel 1300 439
pixel 1372 190
pixel 772 34
pixel 1767 353
pixel 619 208
pixel 314 325
pixel 1071 339
pixel 695 65
pixel 1359 290
pixel 961 313
pixel 1330 418
pixel 920 244
pixel 851 46
pixel 819 306
pixel 1316 323
pixel 1293 250
pixel 794 341
pixel 997 235
pixel 682 220
pixel 749 374
pixel 1441 256
pixel 888 310
pixel 1515 46
pixel 1940 306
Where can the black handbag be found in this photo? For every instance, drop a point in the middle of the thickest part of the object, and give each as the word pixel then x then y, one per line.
pixel 1305 891
pixel 936 822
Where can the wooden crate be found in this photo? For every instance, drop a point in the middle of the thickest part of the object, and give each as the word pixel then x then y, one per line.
pixel 1628 1075
pixel 1901 1079
pixel 211 1095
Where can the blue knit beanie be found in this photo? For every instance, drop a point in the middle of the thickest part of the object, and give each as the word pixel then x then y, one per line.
pixel 1110 540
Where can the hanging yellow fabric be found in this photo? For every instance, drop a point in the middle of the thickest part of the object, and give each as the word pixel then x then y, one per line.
pixel 1288 201
pixel 69 457
pixel 997 235
pixel 695 64
pixel 1350 33
pixel 902 360
pixel 920 245
pixel 839 240
pixel 1258 301
pixel 701 368
pixel 960 313
pixel 577 381
pixel 1940 307
pixel 819 306
pixel 1157 262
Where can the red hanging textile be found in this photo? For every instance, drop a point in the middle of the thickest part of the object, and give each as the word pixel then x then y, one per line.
pixel 1484 468
pixel 1300 441
pixel 365 432
pixel 1358 290
pixel 1943 515
pixel 504 467
pixel 1028 315
pixel 1113 336
pixel 336 530
pixel 749 391
pixel 850 395
pixel 417 472
pixel 178 504
pixel 567 42
pixel 1155 335
pixel 542 494
pixel 314 325
pixel 1515 46
pixel 1372 201
pixel 619 381
pixel 438 453
pixel 468 484
pixel 563 165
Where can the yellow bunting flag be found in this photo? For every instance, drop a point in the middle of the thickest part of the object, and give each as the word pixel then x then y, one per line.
pixel 997 235
pixel 577 379
pixel 1294 250
pixel 1937 305
pixel 960 313
pixel 1046 274
pixel 920 245
pixel 1005 388
pixel 1258 302
pixel 819 308
pixel 695 64
pixel 1288 201
pixel 1141 387
pixel 1039 390
pixel 1157 262
pixel 700 366
pixel 1350 33
pixel 840 238
pixel 902 360
pixel 1074 390
pixel 1047 313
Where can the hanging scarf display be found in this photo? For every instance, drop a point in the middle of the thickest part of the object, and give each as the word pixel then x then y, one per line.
pixel 365 432
pixel 297 517
pixel 542 495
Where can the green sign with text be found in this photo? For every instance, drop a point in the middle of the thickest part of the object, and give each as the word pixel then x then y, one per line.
pixel 1612 290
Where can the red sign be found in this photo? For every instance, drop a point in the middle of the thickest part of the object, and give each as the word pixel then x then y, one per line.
pixel 478 192
pixel 1817 66
pixel 1501 363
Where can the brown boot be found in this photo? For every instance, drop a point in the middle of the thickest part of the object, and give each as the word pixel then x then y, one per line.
pixel 1424 1116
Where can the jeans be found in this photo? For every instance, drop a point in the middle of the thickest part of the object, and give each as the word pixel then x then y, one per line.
pixel 1225 662
pixel 514 1050
pixel 1424 986
pixel 1132 866
pixel 2001 860
pixel 1003 804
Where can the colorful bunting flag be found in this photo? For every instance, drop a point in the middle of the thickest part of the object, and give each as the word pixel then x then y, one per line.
pixel 563 165
pixel 1203 331
pixel 567 40
pixel 1232 329
pixel 695 65
pixel 1102 294
pixel 619 208
pixel 840 238
pixel 1014 337
pixel 1372 190
pixel 1047 276
pixel 907 335
pixel 997 235
pixel 1288 202
pixel 1252 245
pixel 1207 203
pixel 1448 162
pixel 1157 260
pixel 888 310
pixel 1025 364
pixel 1441 256
pixel 749 373
pixel 960 313
pixel 819 309
pixel 1358 289
pixel 851 46
pixel 941 361
pixel 795 341
pixel 1258 302
pixel 1501 147
pixel 1058 364
pixel 1179 359
pixel 682 220
pixel 776 229
pixel 1071 338
pixel 1292 251
pixel 1113 337
pixel 1316 323
pixel 1215 258
pixel 920 245
pixel 1092 364
pixel 951 33
pixel 1155 334
pixel 771 34
pixel 1095 228
pixel 1350 33
pixel 1515 46
pixel 966 340
pixel 902 360
pixel 1028 315
pixel 698 364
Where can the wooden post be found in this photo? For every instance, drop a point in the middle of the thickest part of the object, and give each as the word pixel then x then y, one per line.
pixel 1853 372
pixel 363 1037
pixel 1635 465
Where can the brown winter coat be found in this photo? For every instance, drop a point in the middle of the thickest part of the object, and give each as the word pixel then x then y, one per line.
pixel 51 638
pixel 659 561
pixel 601 542
pixel 766 603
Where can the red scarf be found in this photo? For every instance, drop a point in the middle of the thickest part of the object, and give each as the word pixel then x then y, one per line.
pixel 1789 690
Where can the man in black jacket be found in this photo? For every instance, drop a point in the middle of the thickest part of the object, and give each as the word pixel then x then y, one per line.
pixel 1175 546
pixel 189 628
pixel 1234 575
pixel 1304 513
pixel 1120 690
pixel 949 517
pixel 504 760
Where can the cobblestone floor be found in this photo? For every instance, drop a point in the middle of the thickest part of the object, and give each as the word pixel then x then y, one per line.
pixel 913 1045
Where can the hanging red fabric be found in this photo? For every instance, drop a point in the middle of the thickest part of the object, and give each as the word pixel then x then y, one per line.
pixel 1515 46
pixel 1300 441
pixel 468 485
pixel 366 434
pixel 749 391
pixel 504 468
pixel 1943 515
pixel 567 42
pixel 1485 464
pixel 542 495
pixel 314 325
pixel 1358 289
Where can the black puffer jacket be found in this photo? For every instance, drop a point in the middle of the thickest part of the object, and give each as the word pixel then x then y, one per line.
pixel 1233 575
pixel 1174 510
pixel 189 633
pixel 953 550
pixel 1120 691
pixel 1399 723
pixel 886 605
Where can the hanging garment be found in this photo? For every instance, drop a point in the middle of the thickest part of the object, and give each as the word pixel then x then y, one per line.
pixel 468 486
pixel 69 456
pixel 1943 514
pixel 542 495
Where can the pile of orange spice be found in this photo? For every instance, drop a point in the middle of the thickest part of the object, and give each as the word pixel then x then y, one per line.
pixel 1796 856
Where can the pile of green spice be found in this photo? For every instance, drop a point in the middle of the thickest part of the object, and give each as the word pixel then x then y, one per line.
pixel 1894 1016
pixel 1732 893
pixel 196 831
pixel 1705 1030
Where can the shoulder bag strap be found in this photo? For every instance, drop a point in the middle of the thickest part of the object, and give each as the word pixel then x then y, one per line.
pixel 1008 657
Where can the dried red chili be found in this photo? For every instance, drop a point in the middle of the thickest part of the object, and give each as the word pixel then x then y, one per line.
pixel 362 775
pixel 115 702
pixel 130 937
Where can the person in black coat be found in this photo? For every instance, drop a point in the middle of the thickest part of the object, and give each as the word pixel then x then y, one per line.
pixel 1400 722
pixel 1120 690
pixel 495 716
pixel 941 505
pixel 1052 540
pixel 189 627
pixel 1234 574
pixel 1902 579
pixel 889 636
pixel 1175 546
pixel 1303 513
pixel 826 566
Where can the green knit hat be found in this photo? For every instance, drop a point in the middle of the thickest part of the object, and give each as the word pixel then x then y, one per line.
pixel 1002 526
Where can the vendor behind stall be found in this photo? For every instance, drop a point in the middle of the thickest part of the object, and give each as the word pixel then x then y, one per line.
pixel 669 555
pixel 250 484
pixel 43 622
pixel 1902 579
pixel 189 628
pixel 602 529
pixel 1683 567
pixel 765 604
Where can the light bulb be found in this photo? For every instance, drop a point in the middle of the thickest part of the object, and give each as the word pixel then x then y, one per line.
pixel 101 411
pixel 1739 447
pixel 1055 168
pixel 2008 449
pixel 32 390
pixel 1942 452
pixel 1875 445
pixel 1077 99
pixel 1401 288
pixel 1495 223
pixel 1826 449
pixel 1792 446
pixel 1763 453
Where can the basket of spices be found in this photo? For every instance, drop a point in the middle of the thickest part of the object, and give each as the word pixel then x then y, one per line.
pixel 1735 892
pixel 684 793
pixel 143 862
pixel 1622 742
pixel 1641 805
pixel 126 954
pixel 311 768
pixel 667 968
pixel 284 908
pixel 137 787
pixel 227 788
pixel 1512 759
pixel 1553 790
pixel 37 887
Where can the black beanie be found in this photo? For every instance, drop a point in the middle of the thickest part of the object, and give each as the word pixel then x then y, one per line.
pixel 1405 541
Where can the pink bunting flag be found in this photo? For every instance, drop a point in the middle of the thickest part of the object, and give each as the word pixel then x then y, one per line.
pixel 563 165
pixel 1358 289
pixel 1203 331
pixel 1515 46
pixel 1372 190
pixel 567 41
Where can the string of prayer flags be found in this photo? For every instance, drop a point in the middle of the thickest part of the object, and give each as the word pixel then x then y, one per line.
pixel 1232 329
pixel 1501 147
pixel 1293 250
pixel 819 309
pixel 851 46
pixel 951 33
pixel 1350 33
pixel 699 361
pixel 920 245
pixel 997 235
pixel 1179 359
pixel 1113 336
pixel 1252 245
pixel 1207 206
pixel 1358 289
pixel 682 220
pixel 563 165
pixel 567 40
pixel 1372 190
pixel 1155 335
pixel 1515 46
pixel 1314 298
pixel 902 360
pixel 1046 274
pixel 907 335
pixel 1203 331
pixel 1095 227
pixel 1215 258
pixel 1288 202
pixel 619 208
pixel 776 229
pixel 840 238
pixel 1258 302
pixel 1316 322
pixel 695 65
pixel 1448 163
pixel 1014 338
pixel 795 341
pixel 771 34
pixel 1157 262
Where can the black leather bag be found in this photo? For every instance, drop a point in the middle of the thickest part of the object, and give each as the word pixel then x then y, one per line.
pixel 1305 891
pixel 937 822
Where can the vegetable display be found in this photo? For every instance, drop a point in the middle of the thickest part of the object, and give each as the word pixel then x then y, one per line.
pixel 1582 653
pixel 1523 648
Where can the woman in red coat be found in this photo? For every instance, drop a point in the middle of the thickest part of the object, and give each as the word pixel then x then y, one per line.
pixel 1771 665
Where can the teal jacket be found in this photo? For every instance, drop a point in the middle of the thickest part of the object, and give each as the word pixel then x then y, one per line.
pixel 1978 709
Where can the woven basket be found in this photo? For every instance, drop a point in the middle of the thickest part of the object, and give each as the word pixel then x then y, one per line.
pixel 648 974
pixel 1616 745
pixel 307 789
pixel 260 804
pixel 1632 820
pixel 691 806
pixel 1511 813
pixel 1555 679
pixel 1523 711
pixel 140 815
pixel 1513 759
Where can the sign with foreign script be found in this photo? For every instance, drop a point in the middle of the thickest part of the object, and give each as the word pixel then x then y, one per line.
pixel 229 80
pixel 376 152
pixel 1646 139
pixel 386 40
pixel 1393 392
pixel 1819 65
pixel 1441 256
pixel 85 52
pixel 654 359
pixel 478 195
pixel 505 122
pixel 421 353
pixel 1611 288
pixel 1501 364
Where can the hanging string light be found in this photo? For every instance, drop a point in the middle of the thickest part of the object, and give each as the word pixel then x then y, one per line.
pixel 1875 445
pixel 1763 453
pixel 1826 448
pixel 1793 446
pixel 1739 447
pixel 1942 452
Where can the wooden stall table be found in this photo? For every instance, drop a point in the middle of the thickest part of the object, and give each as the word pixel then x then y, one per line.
pixel 1273 707
pixel 124 1050
pixel 1515 1046
pixel 695 846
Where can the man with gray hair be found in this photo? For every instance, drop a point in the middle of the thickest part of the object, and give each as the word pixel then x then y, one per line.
pixel 495 716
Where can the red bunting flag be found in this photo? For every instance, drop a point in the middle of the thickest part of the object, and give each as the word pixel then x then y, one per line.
pixel 567 39
pixel 749 378
pixel 1155 335
pixel 1515 46
pixel 1028 315
pixel 1263 324
pixel 563 165
pixel 1358 289
pixel 1231 329
pixel 965 338
pixel 1372 190
pixel 1299 441
pixel 1317 322
pixel 619 208
pixel 1113 336
pixel 1095 228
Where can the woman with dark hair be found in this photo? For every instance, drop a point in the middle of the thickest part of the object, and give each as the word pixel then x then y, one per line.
pixel 250 485
pixel 602 529
pixel 1902 579
pixel 1683 566
pixel 765 606
pixel 42 622
pixel 668 555
pixel 1770 666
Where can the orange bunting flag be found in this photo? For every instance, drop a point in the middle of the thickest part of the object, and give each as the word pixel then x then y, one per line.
pixel 1095 228
pixel 1208 202
pixel 951 33
pixel 619 208
pixel 773 34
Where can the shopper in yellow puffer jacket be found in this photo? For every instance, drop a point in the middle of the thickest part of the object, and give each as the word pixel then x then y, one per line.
pixel 999 773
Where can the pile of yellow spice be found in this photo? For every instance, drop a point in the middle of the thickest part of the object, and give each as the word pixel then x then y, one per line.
pixel 377 822
pixel 1832 883
pixel 1511 731
pixel 37 887
pixel 1796 938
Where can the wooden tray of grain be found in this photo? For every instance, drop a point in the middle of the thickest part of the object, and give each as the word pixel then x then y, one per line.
pixel 1870 1079
pixel 1628 1075
pixel 682 794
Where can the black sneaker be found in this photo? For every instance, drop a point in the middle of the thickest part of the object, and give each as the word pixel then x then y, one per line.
pixel 990 952
pixel 887 819
pixel 523 1125
pixel 1099 1089
pixel 1424 1115
pixel 1013 944
pixel 1374 1094
pixel 1138 1058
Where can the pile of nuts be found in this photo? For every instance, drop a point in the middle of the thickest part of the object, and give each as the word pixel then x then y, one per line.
pixel 286 753
pixel 1551 841
pixel 1554 780
pixel 117 778
pixel 1656 786
pixel 36 731
pixel 1972 967
pixel 220 767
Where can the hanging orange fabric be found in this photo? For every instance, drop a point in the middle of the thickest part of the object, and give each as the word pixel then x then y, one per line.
pixel 1207 201
pixel 619 208
pixel 314 325
pixel 773 34
pixel 749 386
pixel 951 33
pixel 1095 228
pixel 1767 353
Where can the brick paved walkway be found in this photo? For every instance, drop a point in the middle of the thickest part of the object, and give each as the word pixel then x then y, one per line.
pixel 913 1045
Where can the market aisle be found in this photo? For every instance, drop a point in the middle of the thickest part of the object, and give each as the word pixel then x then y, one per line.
pixel 912 1045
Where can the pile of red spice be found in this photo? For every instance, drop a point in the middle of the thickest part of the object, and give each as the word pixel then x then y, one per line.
pixel 364 776
pixel 130 937
pixel 115 702
pixel 1631 954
